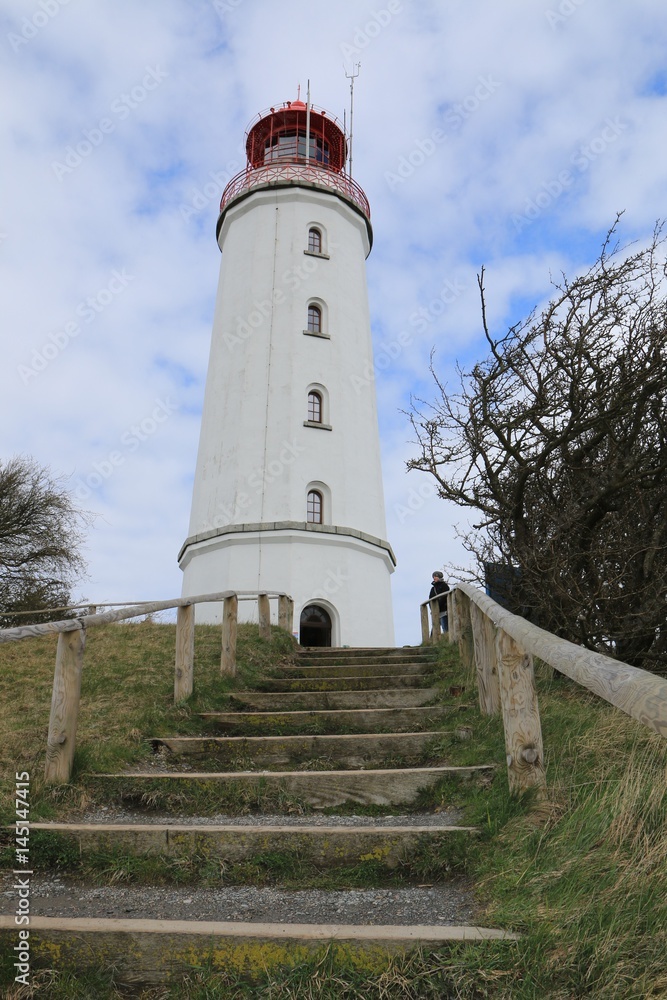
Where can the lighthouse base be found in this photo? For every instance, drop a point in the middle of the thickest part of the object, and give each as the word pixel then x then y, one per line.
pixel 339 578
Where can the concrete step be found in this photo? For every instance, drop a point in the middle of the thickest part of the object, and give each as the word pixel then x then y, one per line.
pixel 325 846
pixel 344 683
pixel 348 751
pixel 159 951
pixel 355 720
pixel 356 670
pixel 304 700
pixel 321 789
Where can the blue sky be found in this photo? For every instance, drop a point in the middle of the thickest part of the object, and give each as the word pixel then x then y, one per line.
pixel 507 135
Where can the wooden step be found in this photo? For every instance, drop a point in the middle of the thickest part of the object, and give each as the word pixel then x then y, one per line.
pixel 304 700
pixel 354 720
pixel 157 951
pixel 326 651
pixel 321 789
pixel 344 683
pixel 344 657
pixel 347 751
pixel 355 670
pixel 417 653
pixel 326 846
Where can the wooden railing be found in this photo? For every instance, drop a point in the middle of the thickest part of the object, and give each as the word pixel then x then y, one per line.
pixel 66 695
pixel 500 648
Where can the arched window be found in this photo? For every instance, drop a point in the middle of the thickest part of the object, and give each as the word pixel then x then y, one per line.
pixel 315 407
pixel 314 319
pixel 314 241
pixel 314 511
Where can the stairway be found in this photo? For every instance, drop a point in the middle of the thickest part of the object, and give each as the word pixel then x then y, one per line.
pixel 354 730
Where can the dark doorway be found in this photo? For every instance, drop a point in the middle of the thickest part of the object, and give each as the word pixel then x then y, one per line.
pixel 315 626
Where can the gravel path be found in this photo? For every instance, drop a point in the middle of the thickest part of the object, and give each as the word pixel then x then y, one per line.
pixel 446 817
pixel 450 903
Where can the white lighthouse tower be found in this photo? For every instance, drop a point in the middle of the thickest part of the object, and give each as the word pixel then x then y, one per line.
pixel 288 488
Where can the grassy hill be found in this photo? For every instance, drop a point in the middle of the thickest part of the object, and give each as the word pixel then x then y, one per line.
pixel 582 875
pixel 127 694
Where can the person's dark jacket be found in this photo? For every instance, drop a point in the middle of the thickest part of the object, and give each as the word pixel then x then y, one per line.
pixel 440 587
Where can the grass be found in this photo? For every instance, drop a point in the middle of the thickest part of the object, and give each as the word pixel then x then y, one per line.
pixel 289 868
pixel 581 874
pixel 422 975
pixel 126 696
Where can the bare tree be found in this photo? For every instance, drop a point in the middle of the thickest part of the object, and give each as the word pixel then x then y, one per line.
pixel 558 439
pixel 40 540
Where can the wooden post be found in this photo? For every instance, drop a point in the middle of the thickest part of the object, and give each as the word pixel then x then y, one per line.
pixel 436 631
pixel 464 630
pixel 61 740
pixel 230 609
pixel 285 612
pixel 450 616
pixel 264 616
pixel 484 639
pixel 453 608
pixel 426 633
pixel 185 653
pixel 521 716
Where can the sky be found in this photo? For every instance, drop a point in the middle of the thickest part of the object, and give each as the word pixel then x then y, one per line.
pixel 505 135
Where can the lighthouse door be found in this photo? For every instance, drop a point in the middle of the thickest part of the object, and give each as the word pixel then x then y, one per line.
pixel 315 626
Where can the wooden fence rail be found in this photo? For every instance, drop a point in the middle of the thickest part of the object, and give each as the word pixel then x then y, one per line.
pixel 71 632
pixel 499 647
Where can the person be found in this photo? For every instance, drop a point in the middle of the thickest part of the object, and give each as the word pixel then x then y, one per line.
pixel 440 586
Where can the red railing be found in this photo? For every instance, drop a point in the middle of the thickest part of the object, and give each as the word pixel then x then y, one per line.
pixel 296 170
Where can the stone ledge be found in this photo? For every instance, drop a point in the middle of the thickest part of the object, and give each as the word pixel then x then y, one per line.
pixel 255 526
pixel 317 424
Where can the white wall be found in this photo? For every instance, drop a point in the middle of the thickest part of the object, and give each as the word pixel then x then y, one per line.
pixel 347 576
pixel 256 459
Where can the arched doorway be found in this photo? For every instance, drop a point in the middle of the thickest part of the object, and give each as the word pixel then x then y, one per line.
pixel 315 626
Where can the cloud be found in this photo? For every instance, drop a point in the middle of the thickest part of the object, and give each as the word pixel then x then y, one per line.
pixel 486 111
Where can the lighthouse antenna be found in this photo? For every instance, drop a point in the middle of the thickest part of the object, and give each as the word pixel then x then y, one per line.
pixel 307 124
pixel 352 77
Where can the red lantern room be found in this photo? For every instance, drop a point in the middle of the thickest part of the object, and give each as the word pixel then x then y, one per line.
pixel 293 145
pixel 284 135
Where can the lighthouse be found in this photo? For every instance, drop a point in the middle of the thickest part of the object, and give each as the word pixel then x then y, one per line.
pixel 288 491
